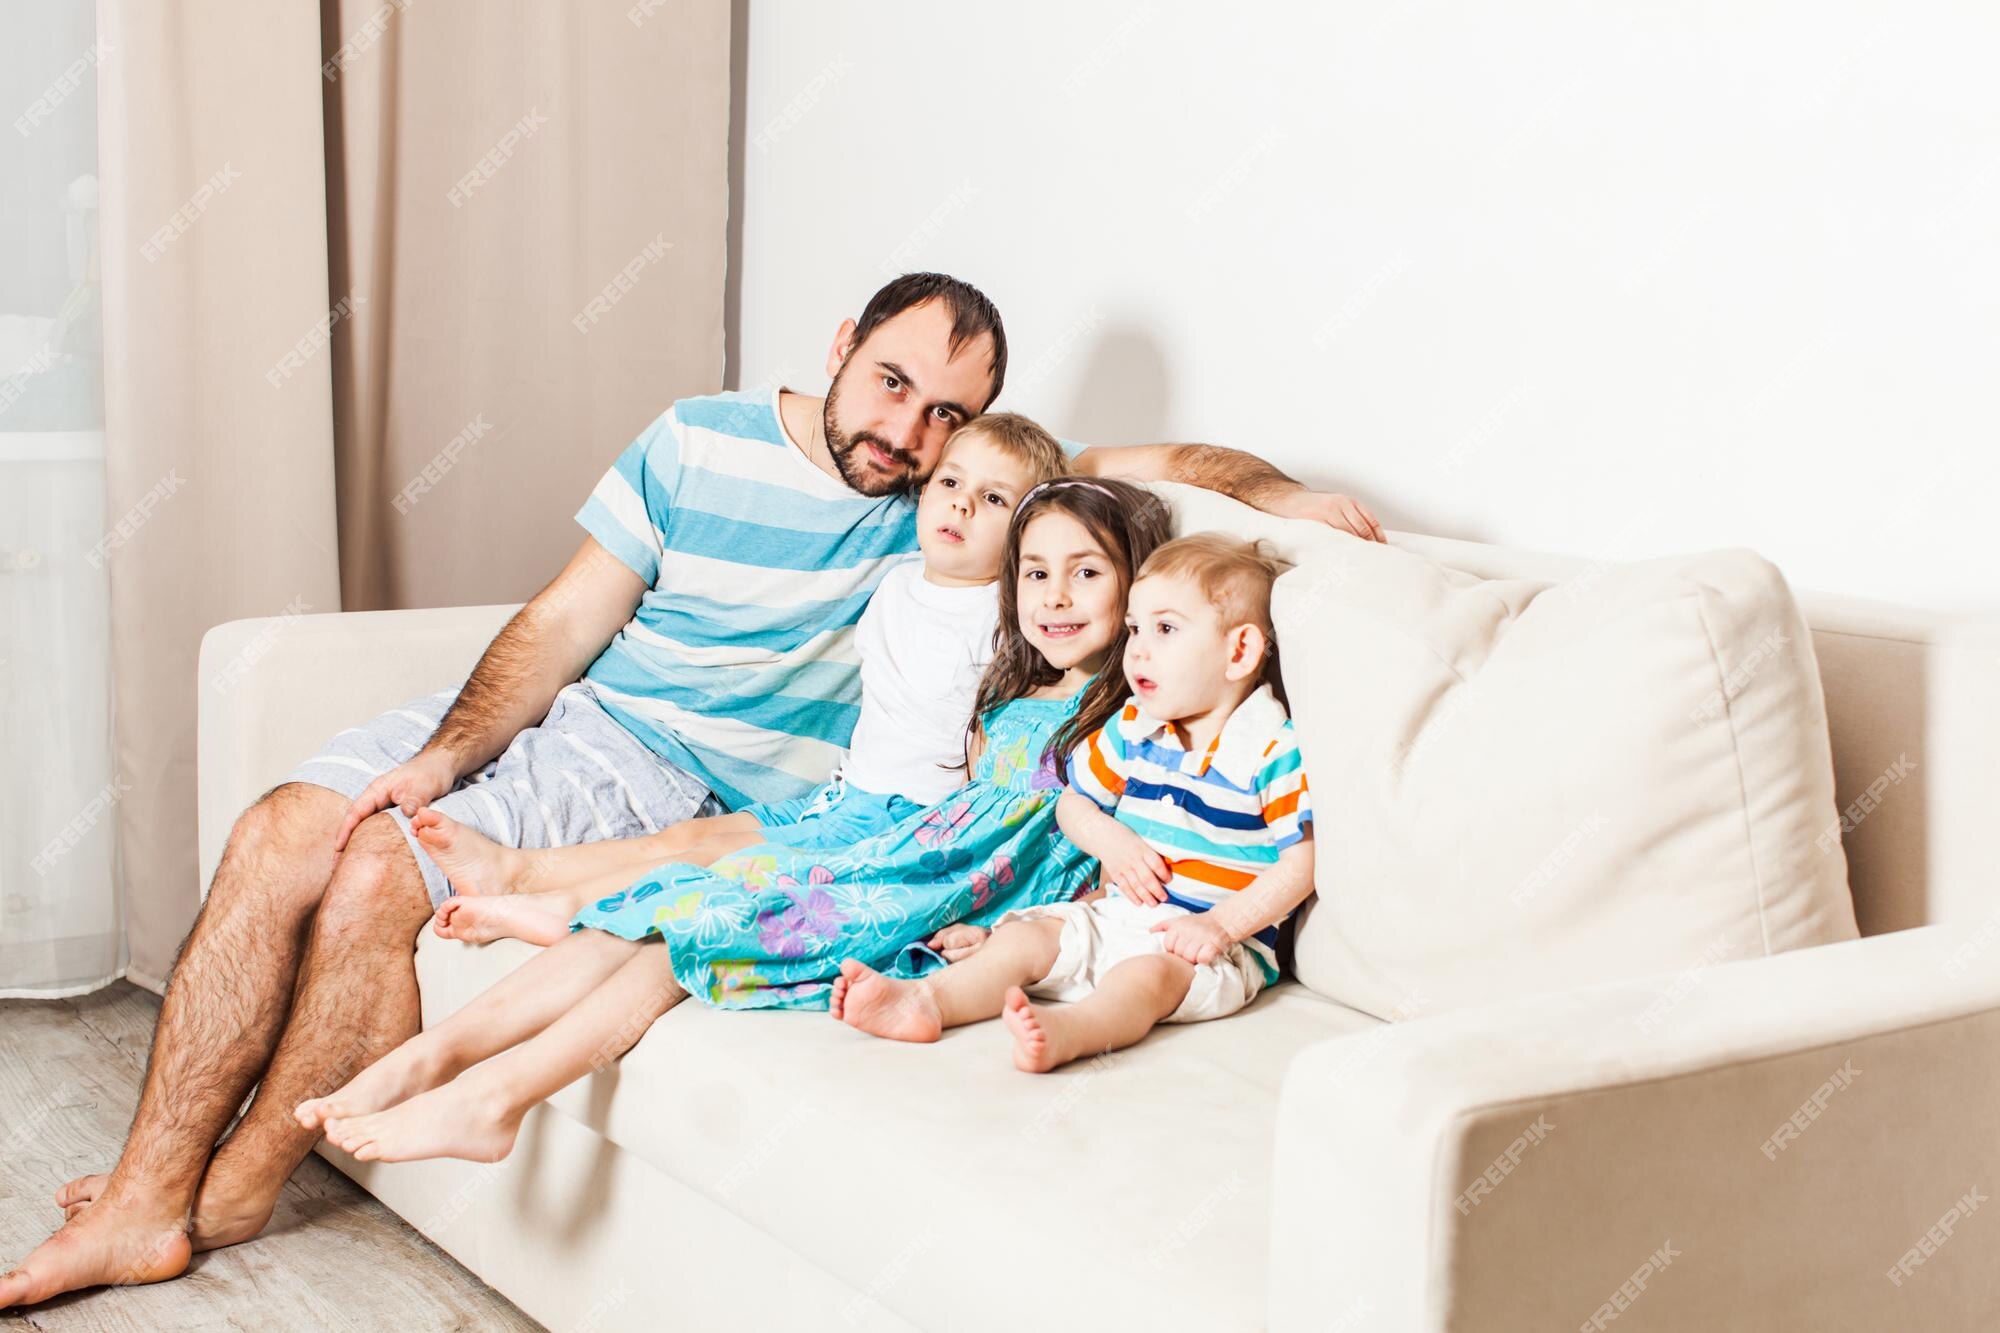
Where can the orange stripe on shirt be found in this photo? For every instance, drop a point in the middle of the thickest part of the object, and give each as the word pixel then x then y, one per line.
pixel 1283 806
pixel 1101 770
pixel 1222 877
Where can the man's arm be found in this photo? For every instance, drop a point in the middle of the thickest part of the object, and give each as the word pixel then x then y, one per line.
pixel 544 647
pixel 1234 473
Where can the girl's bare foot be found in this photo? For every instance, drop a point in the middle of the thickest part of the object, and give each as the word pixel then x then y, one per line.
pixel 473 862
pixel 1035 1047
pixel 458 1119
pixel 901 1010
pixel 416 1066
pixel 538 918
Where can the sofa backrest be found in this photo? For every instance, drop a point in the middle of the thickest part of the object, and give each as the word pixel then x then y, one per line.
pixel 1913 709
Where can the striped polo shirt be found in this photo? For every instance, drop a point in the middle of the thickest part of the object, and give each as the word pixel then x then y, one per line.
pixel 739 665
pixel 1220 816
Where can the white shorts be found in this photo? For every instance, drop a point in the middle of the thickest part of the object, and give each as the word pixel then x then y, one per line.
pixel 1100 934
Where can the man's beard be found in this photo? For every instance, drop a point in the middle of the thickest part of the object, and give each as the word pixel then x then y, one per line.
pixel 856 471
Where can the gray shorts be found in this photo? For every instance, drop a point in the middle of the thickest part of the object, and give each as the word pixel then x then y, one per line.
pixel 577 777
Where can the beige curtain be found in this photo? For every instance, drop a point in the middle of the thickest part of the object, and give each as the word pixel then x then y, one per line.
pixel 529 201
pixel 213 227
pixel 386 287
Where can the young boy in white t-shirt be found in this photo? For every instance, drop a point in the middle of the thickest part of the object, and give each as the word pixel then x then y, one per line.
pixel 923 640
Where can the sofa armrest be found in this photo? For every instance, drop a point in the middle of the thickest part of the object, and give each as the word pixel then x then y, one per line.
pixel 273 690
pixel 1801 1141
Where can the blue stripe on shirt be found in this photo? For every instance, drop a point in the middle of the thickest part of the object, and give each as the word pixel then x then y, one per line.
pixel 751 500
pixel 831 719
pixel 1138 789
pixel 745 418
pixel 1169 836
pixel 782 546
pixel 703 622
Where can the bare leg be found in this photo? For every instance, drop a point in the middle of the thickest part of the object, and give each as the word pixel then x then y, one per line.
pixel 1128 1003
pixel 477 1115
pixel 543 917
pixel 969 990
pixel 477 865
pixel 228 999
pixel 511 1010
pixel 357 998
pixel 539 918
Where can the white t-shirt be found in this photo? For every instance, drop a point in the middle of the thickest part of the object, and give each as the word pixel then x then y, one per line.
pixel 922 648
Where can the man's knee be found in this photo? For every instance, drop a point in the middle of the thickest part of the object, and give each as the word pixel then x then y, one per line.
pixel 280 850
pixel 376 886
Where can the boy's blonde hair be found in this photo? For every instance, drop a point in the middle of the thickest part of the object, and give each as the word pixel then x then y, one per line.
pixel 1020 439
pixel 1234 575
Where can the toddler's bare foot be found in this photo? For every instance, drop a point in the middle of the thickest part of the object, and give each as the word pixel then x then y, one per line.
pixel 414 1067
pixel 456 1120
pixel 901 1010
pixel 473 862
pixel 538 918
pixel 1035 1045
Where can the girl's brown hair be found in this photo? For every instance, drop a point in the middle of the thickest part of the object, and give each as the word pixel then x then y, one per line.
pixel 1128 522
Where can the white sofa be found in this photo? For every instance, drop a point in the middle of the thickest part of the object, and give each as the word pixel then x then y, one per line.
pixel 1299 1166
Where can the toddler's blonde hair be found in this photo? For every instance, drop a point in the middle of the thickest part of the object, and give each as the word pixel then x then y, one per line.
pixel 1234 575
pixel 1021 440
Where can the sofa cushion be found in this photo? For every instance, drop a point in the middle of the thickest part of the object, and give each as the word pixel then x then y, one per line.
pixel 927 1175
pixel 1524 786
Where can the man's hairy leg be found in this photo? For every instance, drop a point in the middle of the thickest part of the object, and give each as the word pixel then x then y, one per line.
pixel 356 1000
pixel 225 1005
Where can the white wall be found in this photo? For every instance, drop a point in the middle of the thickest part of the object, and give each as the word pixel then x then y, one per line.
pixel 1574 277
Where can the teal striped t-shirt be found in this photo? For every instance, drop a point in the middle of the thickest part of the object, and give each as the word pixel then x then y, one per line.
pixel 739 665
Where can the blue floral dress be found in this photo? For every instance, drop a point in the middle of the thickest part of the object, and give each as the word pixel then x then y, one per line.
pixel 768 926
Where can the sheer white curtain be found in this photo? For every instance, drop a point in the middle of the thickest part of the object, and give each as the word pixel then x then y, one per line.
pixel 61 931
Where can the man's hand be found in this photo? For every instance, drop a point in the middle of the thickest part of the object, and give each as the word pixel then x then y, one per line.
pixel 427 775
pixel 959 941
pixel 1131 866
pixel 1335 510
pixel 1197 937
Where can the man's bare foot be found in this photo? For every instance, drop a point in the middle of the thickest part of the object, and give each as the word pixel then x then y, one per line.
pixel 538 918
pixel 418 1065
pixel 459 1119
pixel 106 1244
pixel 80 1193
pixel 220 1218
pixel 1037 1048
pixel 473 862
pixel 884 1006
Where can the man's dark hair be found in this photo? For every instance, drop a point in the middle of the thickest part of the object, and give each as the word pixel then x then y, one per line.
pixel 971 314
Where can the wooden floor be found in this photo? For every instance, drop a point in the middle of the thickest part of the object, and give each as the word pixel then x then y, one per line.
pixel 333 1258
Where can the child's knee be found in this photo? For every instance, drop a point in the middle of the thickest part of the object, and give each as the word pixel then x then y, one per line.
pixel 1036 939
pixel 675 838
pixel 1165 975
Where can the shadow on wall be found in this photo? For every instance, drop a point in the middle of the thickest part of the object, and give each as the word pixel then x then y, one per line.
pixel 1122 397
pixel 1125 396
